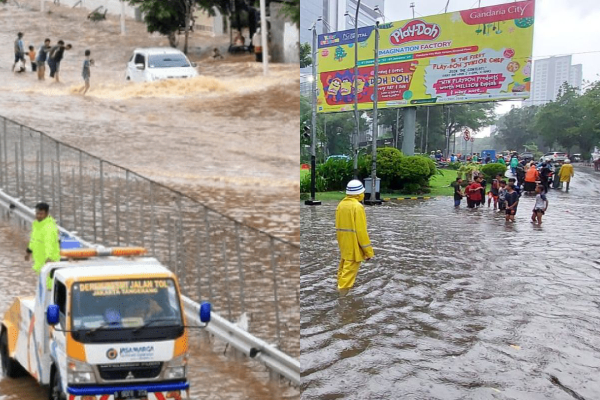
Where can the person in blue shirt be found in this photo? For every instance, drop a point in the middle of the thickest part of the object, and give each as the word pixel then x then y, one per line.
pixel 19 51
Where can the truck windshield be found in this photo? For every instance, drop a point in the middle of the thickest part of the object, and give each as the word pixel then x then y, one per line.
pixel 167 61
pixel 119 305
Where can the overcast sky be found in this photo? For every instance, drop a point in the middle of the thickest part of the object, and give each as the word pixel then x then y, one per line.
pixel 561 27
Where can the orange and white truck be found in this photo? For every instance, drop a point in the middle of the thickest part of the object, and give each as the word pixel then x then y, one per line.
pixel 111 327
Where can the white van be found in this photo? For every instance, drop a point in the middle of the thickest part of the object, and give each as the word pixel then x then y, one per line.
pixel 153 64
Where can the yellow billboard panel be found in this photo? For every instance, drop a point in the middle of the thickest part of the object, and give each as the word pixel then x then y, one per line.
pixel 481 54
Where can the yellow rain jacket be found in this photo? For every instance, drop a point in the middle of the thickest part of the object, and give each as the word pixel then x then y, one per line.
pixel 351 227
pixel 44 242
pixel 566 173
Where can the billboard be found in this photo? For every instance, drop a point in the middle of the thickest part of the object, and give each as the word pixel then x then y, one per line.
pixel 481 54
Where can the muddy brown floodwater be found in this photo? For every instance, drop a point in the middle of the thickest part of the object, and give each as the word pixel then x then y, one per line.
pixel 457 304
pixel 229 137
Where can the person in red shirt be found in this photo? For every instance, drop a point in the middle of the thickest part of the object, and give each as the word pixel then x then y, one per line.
pixel 474 191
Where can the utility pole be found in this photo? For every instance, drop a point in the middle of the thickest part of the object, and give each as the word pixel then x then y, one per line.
pixel 373 199
pixel 356 116
pixel 123 30
pixel 313 129
pixel 427 131
pixel 412 5
pixel 397 128
pixel 265 39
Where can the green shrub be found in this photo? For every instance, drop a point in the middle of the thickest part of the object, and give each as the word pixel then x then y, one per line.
pixel 454 165
pixel 415 169
pixel 411 188
pixel 336 174
pixel 491 170
pixel 466 170
pixel 320 183
pixel 432 165
pixel 305 184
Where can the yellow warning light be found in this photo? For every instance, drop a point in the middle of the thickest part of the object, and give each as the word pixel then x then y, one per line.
pixel 115 251
pixel 128 251
pixel 79 253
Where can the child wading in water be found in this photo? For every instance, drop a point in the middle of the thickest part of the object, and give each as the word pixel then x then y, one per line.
pixel 541 205
pixel 512 201
pixel 85 73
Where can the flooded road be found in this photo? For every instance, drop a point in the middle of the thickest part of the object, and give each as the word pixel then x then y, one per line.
pixel 212 375
pixel 228 138
pixel 457 304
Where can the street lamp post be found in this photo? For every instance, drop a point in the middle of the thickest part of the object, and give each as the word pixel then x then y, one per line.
pixel 356 116
pixel 373 199
pixel 313 130
pixel 264 37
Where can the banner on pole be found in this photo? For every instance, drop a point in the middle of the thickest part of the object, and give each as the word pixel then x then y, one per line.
pixel 481 54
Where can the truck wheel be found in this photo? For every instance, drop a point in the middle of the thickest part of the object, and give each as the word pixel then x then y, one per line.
pixel 55 391
pixel 10 366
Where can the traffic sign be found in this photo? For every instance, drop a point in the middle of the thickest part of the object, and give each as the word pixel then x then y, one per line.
pixel 467 135
pixel 472 139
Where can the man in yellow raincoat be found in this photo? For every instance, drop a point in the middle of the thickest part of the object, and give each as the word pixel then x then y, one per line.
pixel 43 244
pixel 566 173
pixel 352 236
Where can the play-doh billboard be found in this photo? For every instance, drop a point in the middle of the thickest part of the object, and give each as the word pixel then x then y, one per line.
pixel 482 54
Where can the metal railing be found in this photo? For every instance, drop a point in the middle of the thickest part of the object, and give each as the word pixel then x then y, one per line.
pixel 238 268
pixel 278 363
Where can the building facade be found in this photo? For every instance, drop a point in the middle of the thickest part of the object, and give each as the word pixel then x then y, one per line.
pixel 333 19
pixel 332 12
pixel 549 74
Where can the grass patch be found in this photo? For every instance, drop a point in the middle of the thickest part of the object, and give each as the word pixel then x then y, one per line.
pixel 439 184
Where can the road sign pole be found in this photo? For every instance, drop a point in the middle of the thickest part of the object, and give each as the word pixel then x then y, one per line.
pixel 313 129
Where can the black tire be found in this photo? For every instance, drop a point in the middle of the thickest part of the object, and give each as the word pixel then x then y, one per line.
pixel 55 390
pixel 10 366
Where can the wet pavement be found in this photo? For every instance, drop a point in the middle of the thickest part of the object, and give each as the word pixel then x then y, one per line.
pixel 457 304
pixel 212 375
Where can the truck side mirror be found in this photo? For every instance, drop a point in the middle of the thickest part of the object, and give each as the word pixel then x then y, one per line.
pixel 52 314
pixel 205 312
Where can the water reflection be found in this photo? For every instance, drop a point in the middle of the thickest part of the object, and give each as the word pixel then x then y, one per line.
pixel 457 303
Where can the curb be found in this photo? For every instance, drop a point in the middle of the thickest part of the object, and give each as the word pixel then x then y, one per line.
pixel 408 198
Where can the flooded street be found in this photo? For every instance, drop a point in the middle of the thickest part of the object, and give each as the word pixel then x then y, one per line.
pixel 228 137
pixel 457 304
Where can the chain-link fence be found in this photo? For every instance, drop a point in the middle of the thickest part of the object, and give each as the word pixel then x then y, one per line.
pixel 238 268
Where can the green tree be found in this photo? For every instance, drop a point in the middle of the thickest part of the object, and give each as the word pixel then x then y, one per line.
pixel 472 116
pixel 559 121
pixel 589 126
pixel 168 17
pixel 291 8
pixel 516 128
pixel 305 55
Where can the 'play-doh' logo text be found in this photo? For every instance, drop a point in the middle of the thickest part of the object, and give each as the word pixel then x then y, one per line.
pixel 413 31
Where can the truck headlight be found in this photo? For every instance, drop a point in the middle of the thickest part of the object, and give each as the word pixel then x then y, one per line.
pixel 176 368
pixel 175 373
pixel 79 372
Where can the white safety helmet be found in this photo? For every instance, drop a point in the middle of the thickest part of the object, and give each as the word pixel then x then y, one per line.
pixel 567 161
pixel 355 187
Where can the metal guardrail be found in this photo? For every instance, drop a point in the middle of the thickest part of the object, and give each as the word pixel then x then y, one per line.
pixel 275 360
pixel 279 363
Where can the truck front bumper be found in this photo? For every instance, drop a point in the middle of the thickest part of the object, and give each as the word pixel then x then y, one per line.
pixel 156 391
